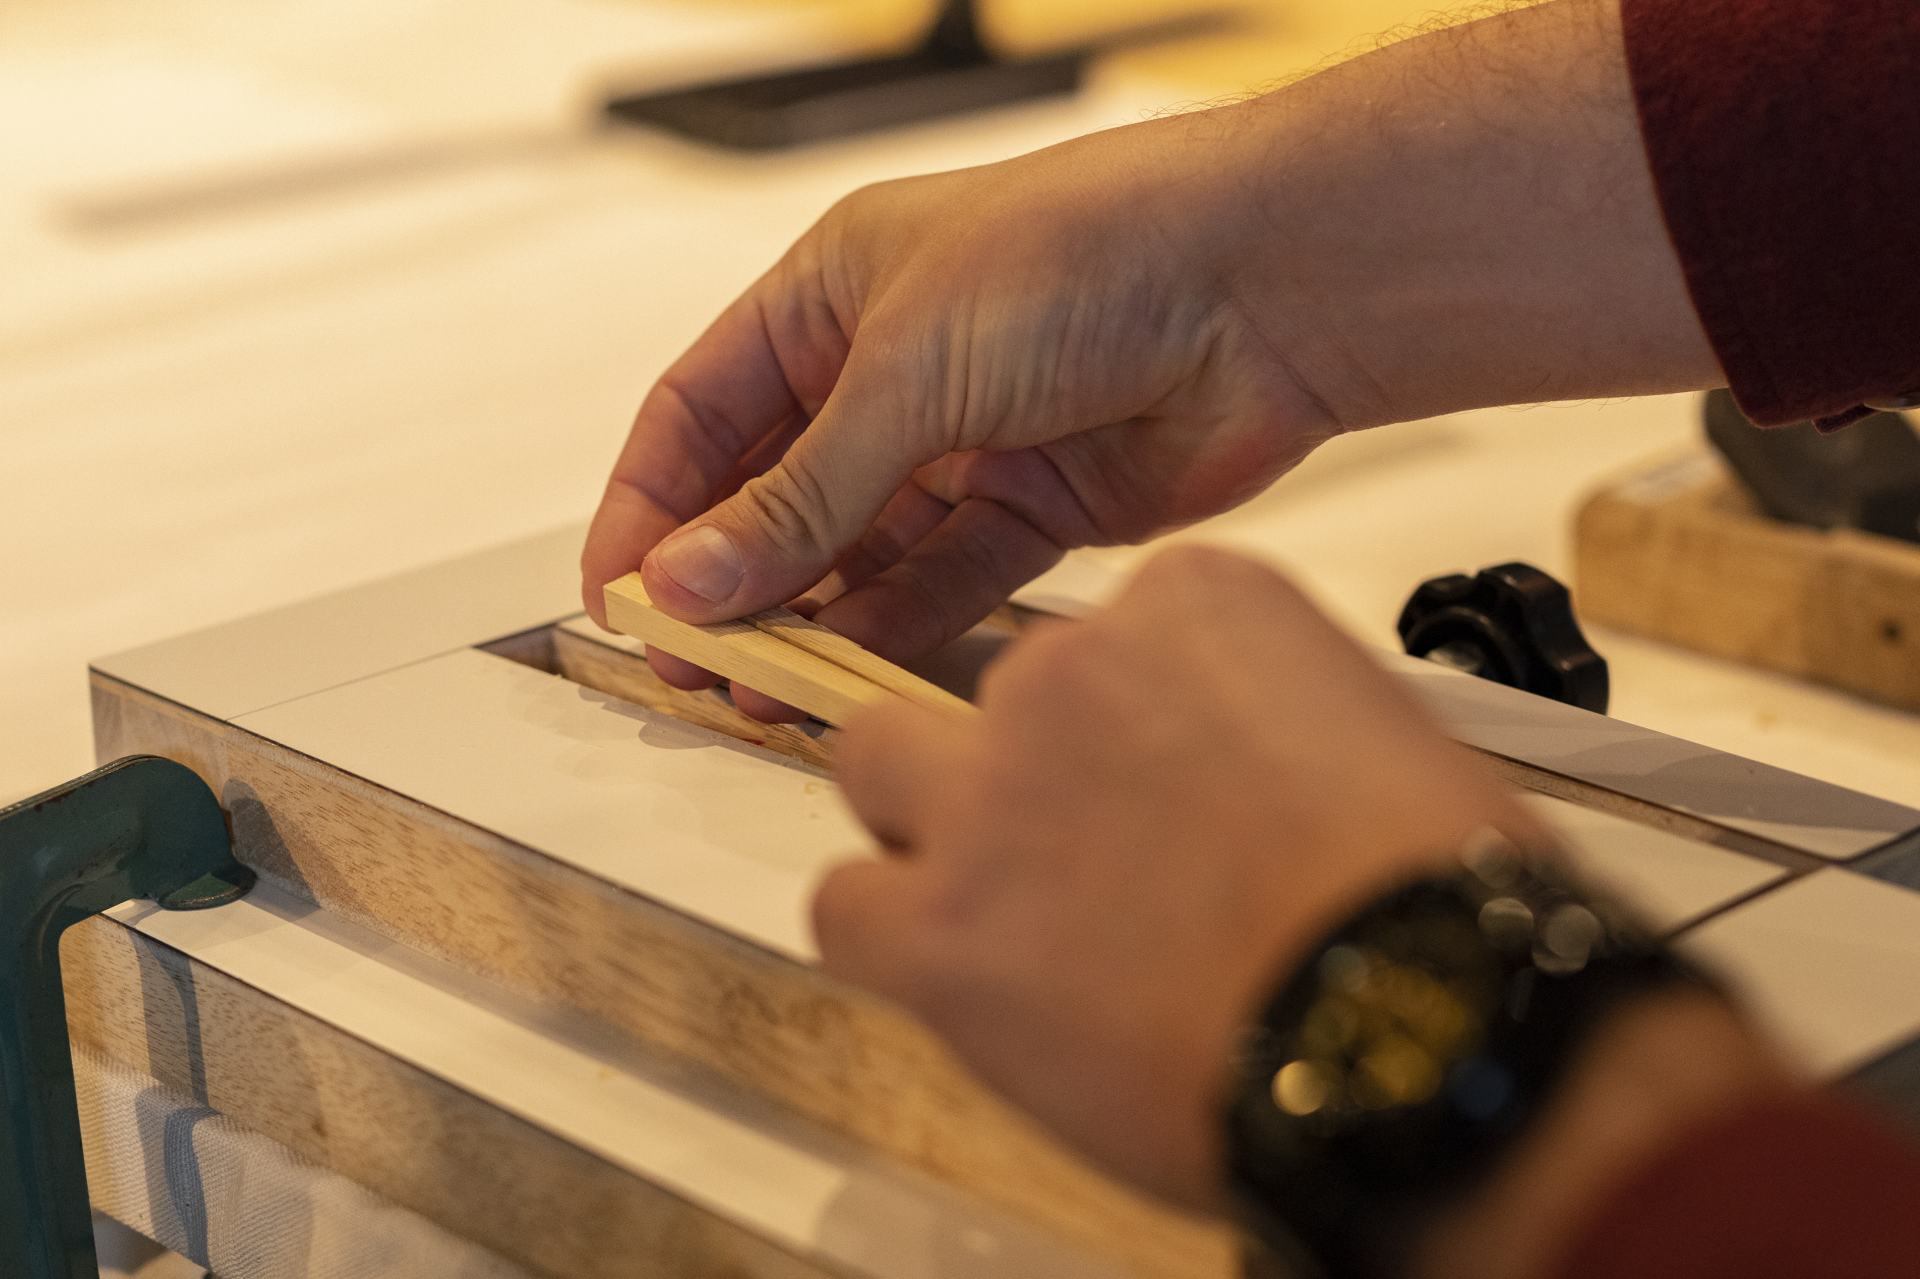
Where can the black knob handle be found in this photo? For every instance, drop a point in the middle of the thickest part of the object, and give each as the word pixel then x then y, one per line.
pixel 1512 624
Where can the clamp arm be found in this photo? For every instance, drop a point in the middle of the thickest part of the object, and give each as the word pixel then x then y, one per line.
pixel 141 827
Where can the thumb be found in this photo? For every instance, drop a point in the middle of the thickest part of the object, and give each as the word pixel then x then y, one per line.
pixel 783 531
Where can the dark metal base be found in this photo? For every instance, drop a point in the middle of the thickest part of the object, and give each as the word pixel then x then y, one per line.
pixel 819 103
pixel 1865 477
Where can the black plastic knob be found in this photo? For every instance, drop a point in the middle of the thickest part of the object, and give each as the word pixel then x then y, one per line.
pixel 1511 624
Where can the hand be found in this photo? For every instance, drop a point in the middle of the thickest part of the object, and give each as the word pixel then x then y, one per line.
pixel 1094 883
pixel 1095 880
pixel 949 380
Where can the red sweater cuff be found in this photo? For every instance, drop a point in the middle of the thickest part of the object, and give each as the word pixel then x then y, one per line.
pixel 1784 137
pixel 1786 1188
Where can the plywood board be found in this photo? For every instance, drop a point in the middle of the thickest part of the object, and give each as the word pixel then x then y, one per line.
pixel 707 826
pixel 605 861
pixel 541 926
pixel 277 656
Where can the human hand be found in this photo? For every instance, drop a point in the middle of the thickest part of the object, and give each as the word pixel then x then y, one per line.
pixel 1095 880
pixel 949 380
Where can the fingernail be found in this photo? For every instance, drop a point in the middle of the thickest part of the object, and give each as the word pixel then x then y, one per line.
pixel 702 561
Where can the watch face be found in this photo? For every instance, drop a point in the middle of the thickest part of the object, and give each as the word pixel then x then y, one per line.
pixel 1386 1016
pixel 1392 1069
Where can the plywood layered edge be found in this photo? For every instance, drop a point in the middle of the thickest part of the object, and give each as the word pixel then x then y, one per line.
pixel 548 931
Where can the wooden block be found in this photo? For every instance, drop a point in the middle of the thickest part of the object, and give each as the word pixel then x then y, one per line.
pixel 1678 552
pixel 779 653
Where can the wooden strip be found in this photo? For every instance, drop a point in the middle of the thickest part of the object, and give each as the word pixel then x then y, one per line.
pixel 807 673
pixel 594 664
pixel 806 634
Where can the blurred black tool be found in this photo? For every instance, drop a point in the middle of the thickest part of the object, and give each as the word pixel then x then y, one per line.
pixel 1511 624
pixel 1866 476
pixel 951 71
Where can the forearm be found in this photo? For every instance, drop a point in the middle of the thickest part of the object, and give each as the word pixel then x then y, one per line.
pixel 1465 219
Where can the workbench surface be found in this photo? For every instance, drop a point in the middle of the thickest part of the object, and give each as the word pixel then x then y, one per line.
pixel 217 412
pixel 218 407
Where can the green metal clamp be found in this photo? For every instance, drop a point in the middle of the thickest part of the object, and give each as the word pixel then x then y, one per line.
pixel 141 827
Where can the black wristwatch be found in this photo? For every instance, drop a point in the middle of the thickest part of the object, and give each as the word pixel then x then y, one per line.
pixel 1411 1048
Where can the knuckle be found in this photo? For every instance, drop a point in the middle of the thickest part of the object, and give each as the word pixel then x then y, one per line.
pixel 1029 664
pixel 841 925
pixel 1183 572
pixel 790 504
pixel 868 739
pixel 1050 683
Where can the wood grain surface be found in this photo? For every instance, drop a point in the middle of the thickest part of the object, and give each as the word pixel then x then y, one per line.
pixel 779 653
pixel 1678 552
pixel 549 931
pixel 469 1166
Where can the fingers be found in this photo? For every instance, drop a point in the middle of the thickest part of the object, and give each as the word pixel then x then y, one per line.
pixel 785 529
pixel 962 570
pixel 753 377
pixel 863 922
pixel 892 764
pixel 908 516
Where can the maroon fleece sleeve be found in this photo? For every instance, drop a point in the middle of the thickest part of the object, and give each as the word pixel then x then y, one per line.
pixel 1791 1188
pixel 1784 137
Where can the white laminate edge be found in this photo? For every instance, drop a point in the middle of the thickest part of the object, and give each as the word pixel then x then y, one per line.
pixel 1830 963
pixel 752 1165
pixel 1740 794
pixel 272 657
pixel 713 828
pixel 1669 880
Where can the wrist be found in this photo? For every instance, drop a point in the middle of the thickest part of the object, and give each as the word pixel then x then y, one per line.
pixel 1467 219
pixel 1658 1068
pixel 1458 1069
